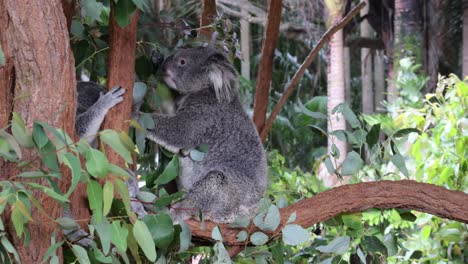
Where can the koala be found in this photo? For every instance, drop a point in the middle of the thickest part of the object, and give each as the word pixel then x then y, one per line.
pixel 93 104
pixel 231 178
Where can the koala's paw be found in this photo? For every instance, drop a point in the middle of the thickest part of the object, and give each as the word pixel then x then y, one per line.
pixel 112 97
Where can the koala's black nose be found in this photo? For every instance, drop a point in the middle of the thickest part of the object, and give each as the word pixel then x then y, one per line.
pixel 157 58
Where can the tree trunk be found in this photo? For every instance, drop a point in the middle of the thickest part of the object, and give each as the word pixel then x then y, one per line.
pixel 6 71
pixel 336 88
pixel 347 75
pixel 367 93
pixel 379 80
pixel 121 73
pixel 465 38
pixel 44 74
pixel 207 18
pixel 408 35
pixel 266 64
pixel 245 45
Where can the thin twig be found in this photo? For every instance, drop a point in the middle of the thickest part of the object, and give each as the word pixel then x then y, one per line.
pixel 310 58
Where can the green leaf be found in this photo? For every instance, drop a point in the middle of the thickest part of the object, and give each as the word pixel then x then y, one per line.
pixel 96 163
pixel 292 218
pixel 18 221
pixel 95 199
pixel 39 135
pixel 221 254
pixel 143 5
pixel 20 132
pixel 269 221
pixel 116 170
pixel 170 172
pixel 103 230
pixel 32 174
pixel 100 257
pixel 123 12
pixel 161 229
pixel 143 237
pixel 373 136
pixel 108 197
pixel 216 234
pixel 294 235
pixel 122 190
pixel 399 162
pixel 2 57
pixel 426 232
pixel 353 221
pixel 49 157
pixel 373 244
pixel 240 221
pixel 348 114
pixel 337 246
pixel 391 243
pixel 50 192
pixel 185 237
pixel 408 216
pixel 352 164
pixel 329 165
pixel 258 238
pixel 165 200
pixel 406 131
pixel 146 197
pixel 92 9
pixel 114 140
pixel 241 236
pixel 51 251
pixel 196 155
pixel 77 29
pixel 75 166
pixel 119 235
pixel 10 248
pixel 81 254
pixel 67 223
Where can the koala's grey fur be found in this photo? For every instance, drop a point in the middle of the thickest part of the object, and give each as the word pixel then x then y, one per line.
pixel 93 104
pixel 231 178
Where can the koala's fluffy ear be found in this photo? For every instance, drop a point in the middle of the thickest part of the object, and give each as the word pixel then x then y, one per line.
pixel 224 79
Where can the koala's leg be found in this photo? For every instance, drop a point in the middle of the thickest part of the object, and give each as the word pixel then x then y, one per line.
pixel 88 123
pixel 220 200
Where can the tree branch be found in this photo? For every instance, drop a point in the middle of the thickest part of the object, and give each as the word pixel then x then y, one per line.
pixel 310 58
pixel 265 68
pixel 354 198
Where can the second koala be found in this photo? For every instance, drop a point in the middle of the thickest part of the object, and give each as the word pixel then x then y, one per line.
pixel 231 178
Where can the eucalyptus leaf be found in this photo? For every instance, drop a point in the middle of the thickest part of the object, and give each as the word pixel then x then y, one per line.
pixel 80 254
pixel 258 238
pixel 352 163
pixel 143 237
pixel 170 172
pixel 294 235
pixel 96 163
pixel 338 246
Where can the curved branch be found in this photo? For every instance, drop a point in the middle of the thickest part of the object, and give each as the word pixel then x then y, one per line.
pixel 359 197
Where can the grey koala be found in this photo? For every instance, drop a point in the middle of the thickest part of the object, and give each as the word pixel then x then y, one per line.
pixel 93 104
pixel 231 178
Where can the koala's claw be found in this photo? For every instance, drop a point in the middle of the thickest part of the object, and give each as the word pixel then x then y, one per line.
pixel 113 97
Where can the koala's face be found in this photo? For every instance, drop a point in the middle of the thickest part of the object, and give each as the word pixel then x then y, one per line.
pixel 194 69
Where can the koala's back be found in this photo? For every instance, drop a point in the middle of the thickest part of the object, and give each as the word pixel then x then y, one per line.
pixel 88 94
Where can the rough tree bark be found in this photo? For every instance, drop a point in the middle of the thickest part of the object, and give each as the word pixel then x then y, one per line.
pixel 266 64
pixel 38 45
pixel 355 198
pixel 207 18
pixel 121 72
pixel 6 71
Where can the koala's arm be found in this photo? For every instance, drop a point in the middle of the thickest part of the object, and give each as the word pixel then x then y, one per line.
pixel 87 123
pixel 181 131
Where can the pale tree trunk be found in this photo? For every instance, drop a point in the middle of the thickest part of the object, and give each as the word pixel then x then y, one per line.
pixel 245 45
pixel 335 89
pixel 367 94
pixel 465 38
pixel 347 74
pixel 44 73
pixel 379 80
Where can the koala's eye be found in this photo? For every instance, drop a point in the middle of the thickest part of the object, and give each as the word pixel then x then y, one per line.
pixel 182 62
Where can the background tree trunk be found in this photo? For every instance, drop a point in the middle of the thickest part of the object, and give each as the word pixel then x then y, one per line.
pixel 336 87
pixel 208 17
pixel 367 94
pixel 265 69
pixel 6 71
pixel 408 36
pixel 121 73
pixel 38 43
pixel 347 74
pixel 465 38
pixel 379 80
